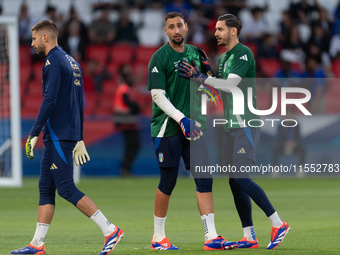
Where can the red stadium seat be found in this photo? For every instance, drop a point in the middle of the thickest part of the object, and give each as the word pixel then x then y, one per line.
pixel 109 88
pixel 336 68
pixel 252 46
pixel 98 52
pixel 25 54
pixel 122 53
pixel 143 54
pixel 31 106
pixel 269 66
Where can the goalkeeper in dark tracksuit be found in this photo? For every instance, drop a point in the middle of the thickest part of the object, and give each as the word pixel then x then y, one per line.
pixel 61 117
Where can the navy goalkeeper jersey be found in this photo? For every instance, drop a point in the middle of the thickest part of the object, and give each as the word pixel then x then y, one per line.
pixel 61 113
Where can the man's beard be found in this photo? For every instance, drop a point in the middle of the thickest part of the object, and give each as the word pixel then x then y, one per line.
pixel 40 51
pixel 225 42
pixel 178 42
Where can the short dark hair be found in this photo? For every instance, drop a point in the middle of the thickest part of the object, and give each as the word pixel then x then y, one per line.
pixel 232 21
pixel 48 25
pixel 172 15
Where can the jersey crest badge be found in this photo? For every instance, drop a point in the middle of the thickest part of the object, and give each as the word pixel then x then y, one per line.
pixel 225 67
pixel 160 157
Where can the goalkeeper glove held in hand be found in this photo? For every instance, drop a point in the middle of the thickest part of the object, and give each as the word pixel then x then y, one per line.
pixel 80 154
pixel 191 71
pixel 30 143
pixel 190 129
pixel 205 64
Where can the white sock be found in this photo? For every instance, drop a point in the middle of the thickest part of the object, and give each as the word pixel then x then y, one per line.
pixel 158 228
pixel 104 224
pixel 249 233
pixel 209 226
pixel 275 220
pixel 39 235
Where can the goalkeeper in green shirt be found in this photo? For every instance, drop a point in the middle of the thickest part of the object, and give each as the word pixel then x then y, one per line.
pixel 236 72
pixel 176 128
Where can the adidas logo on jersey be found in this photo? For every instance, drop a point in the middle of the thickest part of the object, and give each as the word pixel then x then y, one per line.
pixel 244 57
pixel 53 166
pixel 241 151
pixel 154 70
pixel 47 63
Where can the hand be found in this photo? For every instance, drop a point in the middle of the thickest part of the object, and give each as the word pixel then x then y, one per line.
pixel 191 71
pixel 205 64
pixel 209 91
pixel 80 153
pixel 190 129
pixel 30 143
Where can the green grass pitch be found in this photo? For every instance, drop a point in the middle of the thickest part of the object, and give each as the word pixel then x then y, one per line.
pixel 310 206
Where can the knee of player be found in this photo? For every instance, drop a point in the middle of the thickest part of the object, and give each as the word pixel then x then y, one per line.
pixel 167 186
pixel 70 193
pixel 204 185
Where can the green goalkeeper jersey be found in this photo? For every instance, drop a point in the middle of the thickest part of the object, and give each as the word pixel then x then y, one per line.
pixel 239 60
pixel 164 74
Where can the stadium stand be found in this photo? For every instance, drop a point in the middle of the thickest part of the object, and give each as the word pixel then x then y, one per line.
pixel 149 21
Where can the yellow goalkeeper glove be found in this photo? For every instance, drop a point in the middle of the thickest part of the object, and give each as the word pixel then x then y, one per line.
pixel 30 143
pixel 80 154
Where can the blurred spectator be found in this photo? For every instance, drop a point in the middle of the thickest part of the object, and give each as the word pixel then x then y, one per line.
pixel 74 43
pixel 267 48
pixel 126 31
pixel 103 4
pixel 102 30
pixel 285 26
pixel 319 38
pixel 25 24
pixel 336 23
pixel 289 140
pixel 254 28
pixel 210 33
pixel 334 48
pixel 317 85
pixel 73 16
pixel 285 75
pixel 325 22
pixel 51 14
pixel 286 71
pixel 205 6
pixel 301 12
pixel 292 47
pixel 181 6
pixel 94 76
pixel 314 51
pixel 198 28
pixel 126 119
pixel 234 6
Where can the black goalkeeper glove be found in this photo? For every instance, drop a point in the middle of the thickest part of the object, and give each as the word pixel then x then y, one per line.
pixel 205 64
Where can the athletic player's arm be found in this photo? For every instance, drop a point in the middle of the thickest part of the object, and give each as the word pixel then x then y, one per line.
pixel 52 84
pixel 190 128
pixel 82 105
pixel 224 85
pixel 158 96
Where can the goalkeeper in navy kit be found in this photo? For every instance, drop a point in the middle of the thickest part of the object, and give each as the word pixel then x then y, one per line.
pixel 61 118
